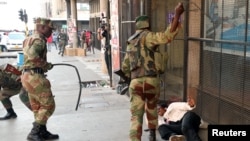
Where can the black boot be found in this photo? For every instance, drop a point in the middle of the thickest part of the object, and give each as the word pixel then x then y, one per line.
pixel 152 136
pixel 10 114
pixel 34 134
pixel 46 134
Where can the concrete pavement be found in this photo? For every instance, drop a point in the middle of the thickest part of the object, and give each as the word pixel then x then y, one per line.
pixel 102 115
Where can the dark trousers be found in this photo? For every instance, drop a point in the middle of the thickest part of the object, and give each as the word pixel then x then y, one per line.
pixel 187 126
pixel 62 45
pixel 107 57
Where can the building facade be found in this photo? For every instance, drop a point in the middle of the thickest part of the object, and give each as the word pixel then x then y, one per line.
pixel 209 58
pixel 64 12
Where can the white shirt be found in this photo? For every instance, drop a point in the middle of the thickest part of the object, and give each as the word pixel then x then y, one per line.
pixel 4 40
pixel 161 120
pixel 176 111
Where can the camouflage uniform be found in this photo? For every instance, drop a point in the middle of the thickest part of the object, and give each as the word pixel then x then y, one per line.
pixel 62 42
pixel 10 86
pixel 144 88
pixel 35 82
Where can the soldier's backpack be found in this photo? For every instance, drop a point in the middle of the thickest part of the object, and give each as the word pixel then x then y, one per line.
pixel 135 43
pixel 160 60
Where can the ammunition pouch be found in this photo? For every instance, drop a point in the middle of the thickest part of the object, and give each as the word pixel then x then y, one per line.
pixel 34 70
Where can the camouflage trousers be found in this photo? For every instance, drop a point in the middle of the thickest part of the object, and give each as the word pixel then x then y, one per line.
pixel 40 96
pixel 6 94
pixel 61 45
pixel 144 94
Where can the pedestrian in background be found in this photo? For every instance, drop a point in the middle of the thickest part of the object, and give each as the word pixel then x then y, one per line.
pixel 49 43
pixel 103 33
pixel 138 65
pixel 35 82
pixel 4 39
pixel 55 38
pixel 91 42
pixel 11 85
pixel 63 38
pixel 83 39
pixel 88 35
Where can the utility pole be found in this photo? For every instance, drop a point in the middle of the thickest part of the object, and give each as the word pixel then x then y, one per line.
pixel 25 19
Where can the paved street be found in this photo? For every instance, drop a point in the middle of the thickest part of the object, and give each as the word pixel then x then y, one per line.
pixel 102 115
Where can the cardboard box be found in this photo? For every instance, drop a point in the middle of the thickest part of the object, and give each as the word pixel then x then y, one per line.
pixel 70 51
pixel 81 52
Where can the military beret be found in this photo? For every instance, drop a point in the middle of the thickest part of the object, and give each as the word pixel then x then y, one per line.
pixel 44 21
pixel 142 22
pixel 142 18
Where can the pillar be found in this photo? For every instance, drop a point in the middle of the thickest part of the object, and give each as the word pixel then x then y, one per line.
pixel 104 9
pixel 68 8
pixel 104 6
pixel 74 20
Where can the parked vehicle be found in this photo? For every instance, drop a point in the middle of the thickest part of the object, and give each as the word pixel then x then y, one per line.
pixel 15 41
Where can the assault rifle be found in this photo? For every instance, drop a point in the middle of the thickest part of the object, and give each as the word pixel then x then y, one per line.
pixel 124 82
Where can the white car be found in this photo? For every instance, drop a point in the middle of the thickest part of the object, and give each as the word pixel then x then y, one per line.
pixel 15 41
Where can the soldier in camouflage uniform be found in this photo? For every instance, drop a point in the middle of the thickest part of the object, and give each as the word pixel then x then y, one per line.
pixel 35 82
pixel 139 66
pixel 10 85
pixel 62 37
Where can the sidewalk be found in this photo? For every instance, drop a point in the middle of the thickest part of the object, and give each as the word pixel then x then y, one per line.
pixel 102 115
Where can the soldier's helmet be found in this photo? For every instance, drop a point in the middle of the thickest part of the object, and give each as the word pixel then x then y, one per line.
pixel 44 21
pixel 142 22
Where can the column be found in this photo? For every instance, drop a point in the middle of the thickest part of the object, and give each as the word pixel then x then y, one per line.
pixel 104 9
pixel 74 21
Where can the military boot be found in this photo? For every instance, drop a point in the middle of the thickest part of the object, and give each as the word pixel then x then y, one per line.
pixel 10 114
pixel 46 134
pixel 34 134
pixel 152 135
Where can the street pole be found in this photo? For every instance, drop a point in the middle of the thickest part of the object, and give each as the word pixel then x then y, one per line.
pixel 26 30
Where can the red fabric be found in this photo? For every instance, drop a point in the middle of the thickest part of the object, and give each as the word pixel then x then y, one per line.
pixel 50 39
pixel 87 34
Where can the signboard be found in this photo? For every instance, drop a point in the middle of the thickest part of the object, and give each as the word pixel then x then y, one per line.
pixel 71 29
pixel 64 26
pixel 114 25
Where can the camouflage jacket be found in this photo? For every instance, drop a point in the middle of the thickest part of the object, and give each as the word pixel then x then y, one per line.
pixel 9 81
pixel 138 61
pixel 62 37
pixel 35 53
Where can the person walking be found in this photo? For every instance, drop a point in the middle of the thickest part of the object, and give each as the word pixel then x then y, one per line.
pixel 49 43
pixel 11 85
pixel 35 82
pixel 91 42
pixel 83 38
pixel 63 38
pixel 138 65
pixel 55 38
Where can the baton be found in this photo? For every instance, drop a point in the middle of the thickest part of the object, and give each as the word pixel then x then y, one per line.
pixel 79 78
